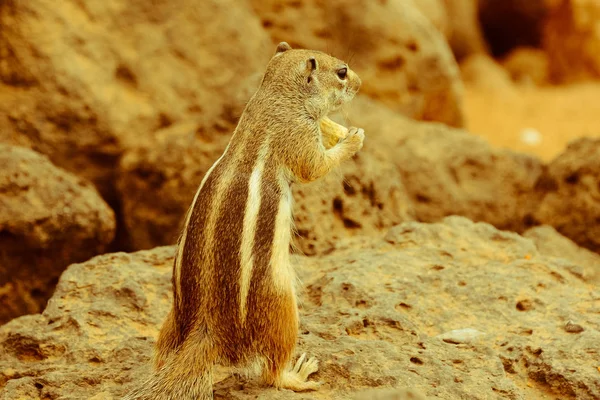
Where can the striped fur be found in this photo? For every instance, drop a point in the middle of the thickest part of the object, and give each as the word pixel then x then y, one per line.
pixel 235 299
pixel 249 228
pixel 177 263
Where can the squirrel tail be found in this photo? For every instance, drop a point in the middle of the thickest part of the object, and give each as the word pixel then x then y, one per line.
pixel 185 375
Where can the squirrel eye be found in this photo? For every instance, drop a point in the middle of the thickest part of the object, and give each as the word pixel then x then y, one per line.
pixel 341 73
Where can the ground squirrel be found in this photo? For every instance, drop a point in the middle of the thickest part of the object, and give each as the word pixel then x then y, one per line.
pixel 234 287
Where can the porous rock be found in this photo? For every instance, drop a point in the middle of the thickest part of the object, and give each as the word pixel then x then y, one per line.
pixel 365 196
pixel 158 181
pixel 82 80
pixel 402 59
pixel 465 35
pixel 370 313
pixel 454 173
pixel 436 11
pixel 48 220
pixel 570 193
pixel 585 263
pixel 391 394
pixel 458 21
pixel 528 66
pixel 484 74
pixel 448 171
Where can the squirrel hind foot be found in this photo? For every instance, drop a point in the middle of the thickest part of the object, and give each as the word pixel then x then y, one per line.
pixel 296 379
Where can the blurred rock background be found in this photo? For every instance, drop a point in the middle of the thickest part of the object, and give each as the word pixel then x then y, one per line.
pixel 112 111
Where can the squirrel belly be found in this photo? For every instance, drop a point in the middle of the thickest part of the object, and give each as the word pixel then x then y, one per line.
pixel 234 295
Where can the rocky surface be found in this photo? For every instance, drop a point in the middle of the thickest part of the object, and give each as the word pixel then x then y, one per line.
pixel 586 263
pixel 157 182
pixel 458 21
pixel 448 171
pixel 363 197
pixel 455 173
pixel 402 58
pixel 48 220
pixel 572 40
pixel 482 73
pixel 391 394
pixel 436 12
pixel 528 66
pixel 448 310
pixel 81 81
pixel 465 36
pixel 570 199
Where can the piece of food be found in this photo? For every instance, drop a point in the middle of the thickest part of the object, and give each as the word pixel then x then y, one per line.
pixel 332 132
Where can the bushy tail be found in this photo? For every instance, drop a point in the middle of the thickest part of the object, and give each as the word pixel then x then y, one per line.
pixel 186 375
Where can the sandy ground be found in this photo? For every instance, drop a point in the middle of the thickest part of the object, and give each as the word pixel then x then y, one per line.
pixel 511 118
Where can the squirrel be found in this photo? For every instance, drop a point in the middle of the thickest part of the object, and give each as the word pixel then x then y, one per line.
pixel 234 294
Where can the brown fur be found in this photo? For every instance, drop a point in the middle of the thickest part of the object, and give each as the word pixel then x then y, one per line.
pixel 234 289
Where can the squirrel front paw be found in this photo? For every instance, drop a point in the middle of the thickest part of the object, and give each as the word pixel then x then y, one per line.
pixel 354 140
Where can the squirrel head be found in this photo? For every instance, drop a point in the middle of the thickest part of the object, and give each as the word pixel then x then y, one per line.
pixel 321 82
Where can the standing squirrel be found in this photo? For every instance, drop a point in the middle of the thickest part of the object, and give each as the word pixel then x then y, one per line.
pixel 234 286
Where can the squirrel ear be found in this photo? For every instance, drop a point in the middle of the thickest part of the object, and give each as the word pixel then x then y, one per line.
pixel 283 46
pixel 311 64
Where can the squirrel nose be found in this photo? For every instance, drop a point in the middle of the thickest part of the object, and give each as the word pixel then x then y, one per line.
pixel 355 80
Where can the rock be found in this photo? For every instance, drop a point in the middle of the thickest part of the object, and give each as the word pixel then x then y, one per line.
pixel 571 38
pixel 391 394
pixel 458 336
pixel 370 313
pixel 458 21
pixel 48 220
pixel 105 333
pixel 402 59
pixel 583 262
pixel 436 12
pixel 82 81
pixel 572 327
pixel 528 66
pixel 570 194
pixel 512 23
pixel 482 73
pixel 448 171
pixel 465 37
pixel 158 183
pixel 364 197
pixel 454 173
